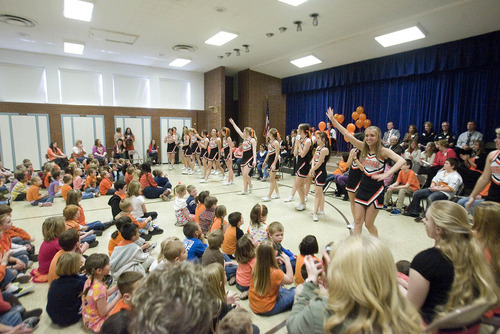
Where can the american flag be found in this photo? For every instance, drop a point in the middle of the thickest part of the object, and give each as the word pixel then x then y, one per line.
pixel 266 128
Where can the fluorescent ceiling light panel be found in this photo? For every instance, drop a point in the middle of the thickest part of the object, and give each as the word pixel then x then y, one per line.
pixel 78 10
pixel 179 62
pixel 306 61
pixel 401 36
pixel 293 2
pixel 221 38
pixel 74 48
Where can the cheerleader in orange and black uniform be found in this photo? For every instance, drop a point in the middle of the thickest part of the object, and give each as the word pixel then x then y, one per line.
pixel 227 154
pixel 249 159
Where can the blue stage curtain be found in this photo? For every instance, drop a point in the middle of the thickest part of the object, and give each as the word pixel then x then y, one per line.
pixel 457 82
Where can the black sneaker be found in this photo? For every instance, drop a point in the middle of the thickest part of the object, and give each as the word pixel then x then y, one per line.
pixel 108 224
pixel 156 231
pixel 93 244
pixel 33 257
pixel 146 237
pixel 37 312
pixel 31 322
pixel 98 233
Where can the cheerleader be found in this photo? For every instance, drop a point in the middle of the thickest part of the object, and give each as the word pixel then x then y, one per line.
pixel 273 161
pixel 195 149
pixel 371 187
pixel 304 153
pixel 318 173
pixel 214 146
pixel 203 145
pixel 186 152
pixel 171 141
pixel 249 159
pixel 354 177
pixel 227 153
pixel 309 180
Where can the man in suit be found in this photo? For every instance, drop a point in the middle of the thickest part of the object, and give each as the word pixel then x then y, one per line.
pixel 389 133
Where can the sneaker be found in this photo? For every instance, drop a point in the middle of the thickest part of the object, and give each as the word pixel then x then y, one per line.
pixel 164 197
pixel 197 170
pixel 14 287
pixel 305 199
pixel 395 212
pixel 289 199
pixel 151 247
pixel 300 207
pixel 156 231
pixel 410 214
pixel 264 179
pixel 179 224
pixel 98 233
pixel 216 172
pixel 321 213
pixel 22 278
pixel 108 224
pixel 204 181
pixel 202 177
pixel 44 204
pixel 350 226
pixel 190 172
pixel 227 183
pixel 185 172
pixel 24 290
pixel 232 281
pixel 224 178
pixel 183 168
pixel 243 192
pixel 37 312
pixel 29 264
pixel 418 219
pixel 244 295
pixel 266 199
pixel 31 322
pixel 315 217
pixel 250 189
pixel 275 196
pixel 33 257
pixel 146 237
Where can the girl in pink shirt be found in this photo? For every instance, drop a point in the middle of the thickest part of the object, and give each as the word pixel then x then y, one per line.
pixel 52 227
pixel 245 256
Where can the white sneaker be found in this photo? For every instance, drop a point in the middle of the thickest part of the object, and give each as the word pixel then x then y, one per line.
pixel 190 172
pixel 250 190
pixel 226 183
pixel 224 178
pixel 266 199
pixel 243 192
pixel 216 172
pixel 321 213
pixel 350 226
pixel 300 207
pixel 275 196
pixel 197 170
pixel 204 181
pixel 185 172
pixel 183 168
pixel 305 199
pixel 315 217
pixel 290 199
pixel 202 177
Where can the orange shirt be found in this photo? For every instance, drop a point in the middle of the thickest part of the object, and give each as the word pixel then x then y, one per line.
pixel 52 269
pixel 105 185
pixel 216 224
pixel 33 193
pixel 199 209
pixel 298 266
pixel 229 243
pixel 128 178
pixel 261 304
pixel 122 196
pixel 64 190
pixel 46 181
pixel 18 232
pixel 485 190
pixel 114 242
pixel 81 219
pixel 147 180
pixel 5 243
pixel 121 305
pixel 90 182
pixel 72 224
pixel 409 177
pixel 342 168
pixel 136 222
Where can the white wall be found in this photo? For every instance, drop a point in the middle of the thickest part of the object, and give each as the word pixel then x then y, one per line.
pixel 159 96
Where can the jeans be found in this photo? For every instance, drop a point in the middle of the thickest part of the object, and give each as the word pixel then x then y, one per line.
pixel 262 173
pixel 230 269
pixel 88 239
pixel 20 241
pixel 284 301
pixel 464 200
pixel 10 275
pixel 12 317
pixel 97 225
pixel 242 288
pixel 92 190
pixel 87 195
pixel 81 159
pixel 238 164
pixel 163 182
pixel 152 192
pixel 431 196
pixel 47 199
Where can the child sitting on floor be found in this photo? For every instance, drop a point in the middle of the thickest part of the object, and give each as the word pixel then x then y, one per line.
pixel 33 195
pixel 194 242
pixel 213 255
pixel 144 224
pixel 233 233
pixel 308 246
pixel 138 201
pixel 55 184
pixel 276 234
pixel 219 222
pixel 182 214
pixel 258 227
pixel 245 256
pixel 127 283
pixel 106 185
pixel 19 191
pixel 191 200
pixel 67 180
pixel 200 206
pixel 120 193
pixel 172 251
pixel 207 217
pixel 75 198
pixel 52 228
pixel 71 214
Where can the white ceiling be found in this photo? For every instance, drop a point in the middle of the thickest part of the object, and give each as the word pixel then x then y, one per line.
pixel 345 33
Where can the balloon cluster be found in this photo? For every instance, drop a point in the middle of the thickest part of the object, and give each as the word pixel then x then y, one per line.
pixel 360 117
pixel 322 127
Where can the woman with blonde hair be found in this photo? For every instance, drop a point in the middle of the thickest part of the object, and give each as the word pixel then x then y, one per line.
pixel 363 294
pixel 249 159
pixel 454 273
pixel 371 187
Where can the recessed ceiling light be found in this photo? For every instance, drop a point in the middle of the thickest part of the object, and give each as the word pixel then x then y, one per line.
pixel 179 62
pixel 221 38
pixel 306 61
pixel 75 48
pixel 401 36
pixel 293 2
pixel 78 10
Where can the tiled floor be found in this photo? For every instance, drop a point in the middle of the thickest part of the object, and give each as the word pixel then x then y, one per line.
pixel 403 236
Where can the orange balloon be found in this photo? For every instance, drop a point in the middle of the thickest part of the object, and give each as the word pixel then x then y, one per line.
pixel 336 116
pixel 346 140
pixel 322 126
pixel 367 123
pixel 362 117
pixel 340 119
pixel 355 115
pixel 360 109
pixel 351 127
pixel 359 124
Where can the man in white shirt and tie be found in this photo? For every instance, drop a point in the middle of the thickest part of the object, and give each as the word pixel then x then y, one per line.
pixel 466 139
pixel 389 133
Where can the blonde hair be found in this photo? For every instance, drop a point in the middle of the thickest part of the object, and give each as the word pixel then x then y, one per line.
pixel 171 248
pixel 275 227
pixel 134 189
pixel 378 146
pixel 68 264
pixel 362 281
pixel 74 197
pixel 125 204
pixel 215 239
pixel 179 189
pixel 261 272
pixel 237 321
pixel 214 276
pixel 486 223
pixel 473 281
pixel 52 228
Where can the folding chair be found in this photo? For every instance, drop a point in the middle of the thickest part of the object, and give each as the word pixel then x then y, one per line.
pixel 134 155
pixel 465 320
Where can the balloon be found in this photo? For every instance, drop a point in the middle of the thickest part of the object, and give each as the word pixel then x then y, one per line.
pixel 359 123
pixel 360 109
pixel 367 123
pixel 336 116
pixel 346 140
pixel 352 133
pixel 351 127
pixel 340 119
pixel 322 126
pixel 355 115
pixel 362 117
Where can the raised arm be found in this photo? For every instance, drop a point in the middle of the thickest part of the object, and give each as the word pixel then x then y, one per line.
pixel 482 181
pixel 343 131
pixel 399 162
pixel 253 141
pixel 236 128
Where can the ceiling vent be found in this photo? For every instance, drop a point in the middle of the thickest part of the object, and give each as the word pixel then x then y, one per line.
pixel 184 48
pixel 17 21
pixel 113 36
